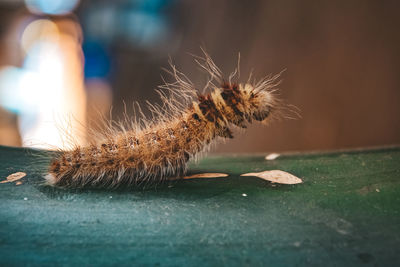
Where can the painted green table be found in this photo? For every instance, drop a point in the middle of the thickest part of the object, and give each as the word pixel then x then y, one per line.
pixel 347 212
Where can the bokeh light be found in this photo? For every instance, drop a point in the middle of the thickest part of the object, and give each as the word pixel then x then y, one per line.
pixel 15 93
pixel 47 92
pixel 145 29
pixel 41 29
pixel 53 7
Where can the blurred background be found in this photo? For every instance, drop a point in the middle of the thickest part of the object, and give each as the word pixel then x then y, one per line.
pixel 65 63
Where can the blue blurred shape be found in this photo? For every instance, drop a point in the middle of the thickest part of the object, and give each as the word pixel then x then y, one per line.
pixel 97 61
pixel 53 7
pixel 145 29
pixel 142 23
pixel 151 5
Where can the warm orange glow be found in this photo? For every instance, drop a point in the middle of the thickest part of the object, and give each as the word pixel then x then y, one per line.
pixel 55 63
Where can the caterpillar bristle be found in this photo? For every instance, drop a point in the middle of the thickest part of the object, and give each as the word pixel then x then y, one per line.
pixel 151 151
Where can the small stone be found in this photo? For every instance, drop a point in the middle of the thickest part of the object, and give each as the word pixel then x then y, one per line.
pixel 297 244
pixel 272 156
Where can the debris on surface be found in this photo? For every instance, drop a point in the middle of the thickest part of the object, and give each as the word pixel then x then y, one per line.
pixel 18 183
pixel 297 244
pixel 206 175
pixel 272 156
pixel 244 195
pixel 14 177
pixel 368 189
pixel 276 176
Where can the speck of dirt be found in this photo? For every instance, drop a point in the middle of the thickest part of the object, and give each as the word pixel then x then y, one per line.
pixel 272 156
pixel 367 189
pixel 297 244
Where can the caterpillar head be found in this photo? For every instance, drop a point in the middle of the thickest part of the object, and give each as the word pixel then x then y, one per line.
pixel 258 104
pixel 244 103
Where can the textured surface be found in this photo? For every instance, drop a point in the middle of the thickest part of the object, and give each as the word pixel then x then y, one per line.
pixel 347 212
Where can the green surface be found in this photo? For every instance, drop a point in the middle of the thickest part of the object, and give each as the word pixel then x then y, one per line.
pixel 347 212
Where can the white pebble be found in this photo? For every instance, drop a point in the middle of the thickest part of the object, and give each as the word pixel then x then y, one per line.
pixel 272 156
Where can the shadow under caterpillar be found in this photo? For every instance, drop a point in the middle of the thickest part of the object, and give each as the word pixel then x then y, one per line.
pixel 184 126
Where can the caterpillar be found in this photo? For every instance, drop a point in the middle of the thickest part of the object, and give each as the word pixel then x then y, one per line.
pixel 181 128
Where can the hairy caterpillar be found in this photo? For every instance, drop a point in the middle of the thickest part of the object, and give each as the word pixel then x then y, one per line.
pixel 185 125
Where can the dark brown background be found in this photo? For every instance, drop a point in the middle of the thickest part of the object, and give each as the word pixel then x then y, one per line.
pixel 341 58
